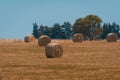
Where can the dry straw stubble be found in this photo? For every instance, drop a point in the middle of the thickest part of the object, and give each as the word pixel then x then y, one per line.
pixel 112 37
pixel 44 40
pixel 54 50
pixel 77 37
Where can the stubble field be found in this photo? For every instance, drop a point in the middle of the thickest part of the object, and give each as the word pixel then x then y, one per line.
pixel 89 60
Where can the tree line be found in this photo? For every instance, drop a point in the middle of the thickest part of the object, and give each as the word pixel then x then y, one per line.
pixel 58 31
pixel 90 26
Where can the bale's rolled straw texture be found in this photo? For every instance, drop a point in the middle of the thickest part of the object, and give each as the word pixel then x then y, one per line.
pixel 44 40
pixel 54 50
pixel 29 38
pixel 112 37
pixel 77 37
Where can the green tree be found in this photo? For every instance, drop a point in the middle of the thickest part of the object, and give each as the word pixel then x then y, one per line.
pixel 67 30
pixel 48 31
pixel 36 32
pixel 90 26
pixel 110 28
pixel 56 31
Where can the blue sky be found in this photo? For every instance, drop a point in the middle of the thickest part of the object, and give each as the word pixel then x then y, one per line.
pixel 17 16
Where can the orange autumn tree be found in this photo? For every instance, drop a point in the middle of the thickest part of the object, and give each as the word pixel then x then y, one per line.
pixel 90 26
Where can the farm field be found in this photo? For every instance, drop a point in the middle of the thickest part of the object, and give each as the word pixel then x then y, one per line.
pixel 89 60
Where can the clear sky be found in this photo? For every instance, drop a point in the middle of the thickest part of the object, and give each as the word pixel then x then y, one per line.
pixel 17 16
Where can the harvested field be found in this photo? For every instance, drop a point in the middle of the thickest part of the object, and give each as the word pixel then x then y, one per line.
pixel 89 60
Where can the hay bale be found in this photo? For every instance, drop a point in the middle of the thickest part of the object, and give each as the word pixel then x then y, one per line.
pixel 54 50
pixel 77 37
pixel 112 37
pixel 44 40
pixel 29 38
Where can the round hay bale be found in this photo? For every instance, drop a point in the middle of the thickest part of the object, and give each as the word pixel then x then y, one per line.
pixel 77 37
pixel 54 50
pixel 29 38
pixel 44 40
pixel 112 37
